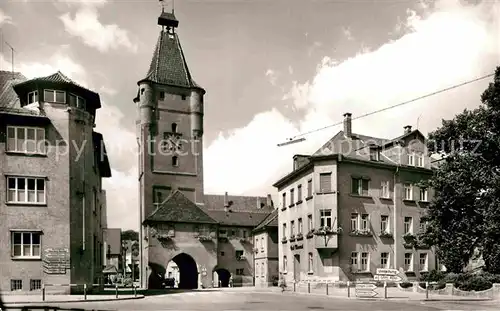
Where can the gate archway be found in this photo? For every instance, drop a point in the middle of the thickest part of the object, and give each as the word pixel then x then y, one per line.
pixel 223 275
pixel 188 271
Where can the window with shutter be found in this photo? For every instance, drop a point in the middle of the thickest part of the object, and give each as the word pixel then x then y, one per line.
pixel 325 182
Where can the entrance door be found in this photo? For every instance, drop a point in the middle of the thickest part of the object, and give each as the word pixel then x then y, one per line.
pixel 296 268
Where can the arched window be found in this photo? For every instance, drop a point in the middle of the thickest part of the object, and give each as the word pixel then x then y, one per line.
pixel 174 127
pixel 175 161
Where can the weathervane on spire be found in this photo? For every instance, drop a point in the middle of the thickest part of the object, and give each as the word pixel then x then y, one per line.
pixel 164 4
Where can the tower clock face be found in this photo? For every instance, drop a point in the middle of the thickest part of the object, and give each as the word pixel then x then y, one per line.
pixel 172 143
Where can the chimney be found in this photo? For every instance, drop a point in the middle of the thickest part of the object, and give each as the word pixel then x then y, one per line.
pixel 226 202
pixel 407 129
pixel 347 124
pixel 269 201
pixel 258 202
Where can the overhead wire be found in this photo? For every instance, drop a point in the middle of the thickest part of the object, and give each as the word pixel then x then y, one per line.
pixel 394 106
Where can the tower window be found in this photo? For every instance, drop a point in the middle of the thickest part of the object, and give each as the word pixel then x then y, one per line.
pixel 183 97
pixel 162 95
pixel 174 127
pixel 142 91
pixel 175 161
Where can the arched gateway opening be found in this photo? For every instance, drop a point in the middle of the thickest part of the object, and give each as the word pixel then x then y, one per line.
pixel 187 271
pixel 223 275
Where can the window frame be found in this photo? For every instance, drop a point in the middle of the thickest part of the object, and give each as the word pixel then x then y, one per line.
pixel 354 221
pixel 354 261
pixel 384 219
pixel 26 190
pixel 22 245
pixel 425 196
pixel 382 258
pixel 410 225
pixel 327 175
pixel 285 264
pixel 367 264
pixel 54 92
pixel 310 188
pixel 16 281
pixel 310 263
pixel 426 264
pixel 324 218
pixel 411 159
pixel 410 265
pixel 359 181
pixel 35 97
pixel 310 222
pixel 364 222
pixel 407 192
pixel 299 193
pixel 292 196
pixel 25 140
pixel 385 192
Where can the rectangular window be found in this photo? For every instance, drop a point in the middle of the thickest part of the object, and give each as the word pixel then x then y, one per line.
pixel 292 196
pixel 26 139
pixel 325 218
pixel 325 182
pixel 26 190
pixel 423 262
pixel 35 284
pixel 408 224
pixel 238 255
pixel 365 220
pixel 162 95
pixel 423 194
pixel 422 225
pixel 239 271
pixel 26 244
pixel 32 97
pixel 411 160
pixel 53 96
pixel 420 161
pixel 384 224
pixel 354 259
pixel 384 260
pixel 408 262
pixel 284 230
pixel 385 193
pixel 309 188
pixel 374 154
pixel 285 264
pixel 292 228
pixel 309 223
pixel 365 266
pixel 408 195
pixel 299 193
pixel 284 199
pixel 222 233
pixel 360 186
pixel 299 223
pixel 310 263
pixel 354 222
pixel 16 285
pixel 77 101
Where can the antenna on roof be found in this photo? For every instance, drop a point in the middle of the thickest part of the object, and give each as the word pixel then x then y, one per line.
pixel 418 120
pixel 173 6
pixel 12 57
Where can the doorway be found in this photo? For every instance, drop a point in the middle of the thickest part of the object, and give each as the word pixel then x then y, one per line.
pixel 223 276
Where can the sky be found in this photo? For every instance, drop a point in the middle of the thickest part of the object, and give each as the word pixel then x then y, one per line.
pixel 272 69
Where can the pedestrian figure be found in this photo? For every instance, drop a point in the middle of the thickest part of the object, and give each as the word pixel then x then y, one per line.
pixel 282 283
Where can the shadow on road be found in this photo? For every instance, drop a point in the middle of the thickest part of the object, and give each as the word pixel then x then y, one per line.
pixel 147 292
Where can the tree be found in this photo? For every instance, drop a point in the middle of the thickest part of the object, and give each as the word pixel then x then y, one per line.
pixel 130 235
pixel 464 213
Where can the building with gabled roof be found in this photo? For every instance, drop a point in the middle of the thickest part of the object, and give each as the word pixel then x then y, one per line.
pixel 266 242
pixel 208 237
pixel 353 206
pixel 52 165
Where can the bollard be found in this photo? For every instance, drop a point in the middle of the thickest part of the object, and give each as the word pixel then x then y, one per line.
pixel 84 291
pixel 385 290
pixel 135 291
pixel 426 290
pixel 294 284
pixel 308 287
pixel 327 289
pixel 116 289
pixel 348 289
pixel 43 292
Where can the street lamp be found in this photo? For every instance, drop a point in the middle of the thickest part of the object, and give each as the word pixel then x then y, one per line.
pixel 291 141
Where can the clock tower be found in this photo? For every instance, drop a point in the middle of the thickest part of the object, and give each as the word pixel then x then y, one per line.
pixel 169 129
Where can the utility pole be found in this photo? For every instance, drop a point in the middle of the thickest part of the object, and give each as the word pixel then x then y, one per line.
pixel 12 56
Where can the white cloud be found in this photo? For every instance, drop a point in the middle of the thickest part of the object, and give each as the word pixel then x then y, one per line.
pixel 86 25
pixel 347 33
pixel 4 18
pixel 298 93
pixel 271 75
pixel 447 46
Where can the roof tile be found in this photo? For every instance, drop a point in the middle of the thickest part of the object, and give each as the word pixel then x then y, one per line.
pixel 232 218
pixel 237 203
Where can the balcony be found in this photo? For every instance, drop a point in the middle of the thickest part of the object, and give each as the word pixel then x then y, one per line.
pixel 327 241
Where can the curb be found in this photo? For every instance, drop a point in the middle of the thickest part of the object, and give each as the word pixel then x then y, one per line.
pixel 7 304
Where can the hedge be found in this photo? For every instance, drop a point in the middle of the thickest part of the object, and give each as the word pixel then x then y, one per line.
pixel 463 281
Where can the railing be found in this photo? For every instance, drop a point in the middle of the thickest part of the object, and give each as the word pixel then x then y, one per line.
pixel 85 289
pixel 45 308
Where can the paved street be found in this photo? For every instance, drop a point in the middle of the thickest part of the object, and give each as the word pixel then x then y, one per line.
pixel 231 300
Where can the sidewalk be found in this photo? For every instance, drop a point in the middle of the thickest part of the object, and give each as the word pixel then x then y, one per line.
pixel 392 294
pixel 30 299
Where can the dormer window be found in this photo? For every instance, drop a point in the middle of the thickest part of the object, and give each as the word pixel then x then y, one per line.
pixel 32 97
pixel 53 96
pixel 374 154
pixel 174 127
pixel 77 101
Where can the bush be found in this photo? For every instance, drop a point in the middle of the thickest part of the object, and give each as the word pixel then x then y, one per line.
pixel 406 284
pixel 473 282
pixel 433 276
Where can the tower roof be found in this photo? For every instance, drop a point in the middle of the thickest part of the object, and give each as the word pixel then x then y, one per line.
pixel 168 65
